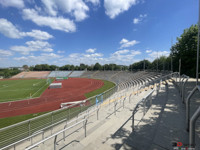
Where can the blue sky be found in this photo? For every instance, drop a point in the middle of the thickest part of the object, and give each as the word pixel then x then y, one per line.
pixel 88 31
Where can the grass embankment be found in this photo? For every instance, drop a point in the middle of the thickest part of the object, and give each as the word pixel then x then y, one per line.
pixel 107 85
pixel 13 120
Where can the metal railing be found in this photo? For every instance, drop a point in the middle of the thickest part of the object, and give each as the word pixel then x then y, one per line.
pixel 143 100
pixel 19 131
pixel 54 118
pixel 56 134
pixel 190 123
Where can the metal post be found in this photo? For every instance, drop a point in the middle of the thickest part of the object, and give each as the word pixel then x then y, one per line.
pixel 123 102
pixel 144 106
pixel 130 98
pixel 43 136
pixel 85 127
pixel 171 64
pixel 98 114
pixel 192 128
pixel 115 107
pixel 183 91
pixel 133 121
pixel 157 61
pixel 66 116
pixel 64 133
pixel 197 70
pixel 179 70
pixel 55 142
pixel 188 108
pixel 51 122
pixel 29 127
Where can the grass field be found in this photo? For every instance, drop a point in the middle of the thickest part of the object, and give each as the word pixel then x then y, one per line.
pixel 12 90
pixel 19 132
pixel 107 85
pixel 12 120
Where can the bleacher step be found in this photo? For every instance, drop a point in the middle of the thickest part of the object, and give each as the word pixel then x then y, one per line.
pixel 162 125
pixel 102 137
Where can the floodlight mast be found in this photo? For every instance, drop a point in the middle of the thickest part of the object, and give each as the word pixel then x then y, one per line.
pixel 197 70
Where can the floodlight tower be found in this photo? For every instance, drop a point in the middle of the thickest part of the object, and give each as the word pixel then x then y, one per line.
pixel 197 70
pixel 157 61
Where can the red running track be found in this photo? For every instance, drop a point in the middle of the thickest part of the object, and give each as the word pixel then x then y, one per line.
pixel 73 89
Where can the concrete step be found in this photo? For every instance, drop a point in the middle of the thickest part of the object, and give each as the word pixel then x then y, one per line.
pixel 101 136
pixel 162 125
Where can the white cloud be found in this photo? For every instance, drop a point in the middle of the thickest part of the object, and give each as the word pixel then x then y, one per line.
pixel 5 53
pixel 76 8
pixel 60 52
pixel 124 57
pixel 115 7
pixel 57 23
pixel 154 54
pixel 93 55
pixel 91 50
pixel 148 51
pixel 126 43
pixel 9 30
pixel 43 58
pixel 136 20
pixel 37 34
pixel 94 2
pixel 33 46
pixel 12 3
pixel 139 19
pixel 122 52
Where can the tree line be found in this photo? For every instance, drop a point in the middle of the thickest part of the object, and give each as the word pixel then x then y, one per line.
pixel 96 66
pixel 6 73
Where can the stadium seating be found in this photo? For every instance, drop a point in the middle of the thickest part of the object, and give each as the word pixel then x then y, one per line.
pixel 59 74
pixel 32 74
pixel 76 73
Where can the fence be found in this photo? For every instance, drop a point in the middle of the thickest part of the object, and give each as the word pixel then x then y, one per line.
pixel 144 101
pixel 16 132
pixel 10 135
pixel 117 100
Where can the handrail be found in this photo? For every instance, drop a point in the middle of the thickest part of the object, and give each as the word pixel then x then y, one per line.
pixel 188 106
pixel 97 114
pixel 54 135
pixel 183 87
pixel 190 123
pixel 192 127
pixel 137 105
pixel 42 130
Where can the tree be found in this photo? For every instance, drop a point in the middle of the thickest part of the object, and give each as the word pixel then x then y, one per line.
pixel 186 49
pixel 25 67
pixel 97 66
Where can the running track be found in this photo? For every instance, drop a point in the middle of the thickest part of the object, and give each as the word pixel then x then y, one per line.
pixel 73 89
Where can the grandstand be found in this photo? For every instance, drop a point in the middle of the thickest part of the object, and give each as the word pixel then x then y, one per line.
pixel 76 73
pixel 59 74
pixel 145 112
pixel 32 74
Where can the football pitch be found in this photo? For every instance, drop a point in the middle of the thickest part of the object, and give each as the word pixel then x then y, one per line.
pixel 12 90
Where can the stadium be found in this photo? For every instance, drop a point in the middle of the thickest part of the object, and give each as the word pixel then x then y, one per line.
pixel 99 74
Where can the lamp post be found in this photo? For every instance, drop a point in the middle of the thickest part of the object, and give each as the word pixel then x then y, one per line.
pixel 197 69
